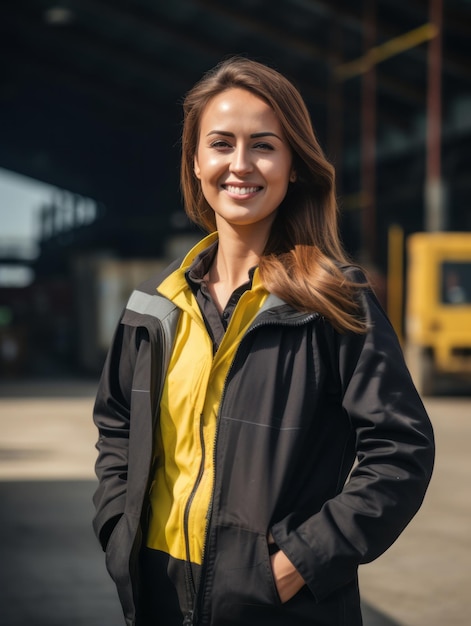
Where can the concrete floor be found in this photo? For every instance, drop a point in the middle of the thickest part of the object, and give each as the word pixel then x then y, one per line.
pixel 52 570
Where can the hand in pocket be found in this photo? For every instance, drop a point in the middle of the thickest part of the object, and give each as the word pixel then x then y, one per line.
pixel 287 579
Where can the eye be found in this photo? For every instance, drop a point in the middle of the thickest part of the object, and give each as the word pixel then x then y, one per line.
pixel 220 144
pixel 263 146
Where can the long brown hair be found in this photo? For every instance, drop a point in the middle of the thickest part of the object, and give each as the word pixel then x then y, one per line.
pixel 303 259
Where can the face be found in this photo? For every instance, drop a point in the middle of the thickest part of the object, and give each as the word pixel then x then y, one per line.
pixel 243 160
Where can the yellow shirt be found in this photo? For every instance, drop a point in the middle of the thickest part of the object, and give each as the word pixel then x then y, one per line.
pixel 186 431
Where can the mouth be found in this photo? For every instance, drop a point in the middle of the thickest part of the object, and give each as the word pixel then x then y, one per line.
pixel 242 191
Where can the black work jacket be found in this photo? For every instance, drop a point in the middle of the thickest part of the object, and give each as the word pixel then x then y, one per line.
pixel 302 406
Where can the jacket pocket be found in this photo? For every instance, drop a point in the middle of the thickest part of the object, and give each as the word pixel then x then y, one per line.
pixel 241 590
pixel 243 583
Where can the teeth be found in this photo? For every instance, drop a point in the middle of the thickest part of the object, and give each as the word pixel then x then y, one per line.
pixel 241 191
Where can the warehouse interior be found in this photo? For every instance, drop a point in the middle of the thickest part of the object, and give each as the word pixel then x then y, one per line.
pixel 90 102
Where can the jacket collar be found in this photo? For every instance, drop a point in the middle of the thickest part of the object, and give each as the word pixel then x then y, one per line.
pixel 197 249
pixel 273 308
pixel 177 282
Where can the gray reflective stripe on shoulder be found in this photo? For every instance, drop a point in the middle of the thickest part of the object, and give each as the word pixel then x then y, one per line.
pixel 271 302
pixel 148 304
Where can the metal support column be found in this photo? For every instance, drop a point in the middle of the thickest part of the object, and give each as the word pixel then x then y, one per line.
pixel 435 209
pixel 368 148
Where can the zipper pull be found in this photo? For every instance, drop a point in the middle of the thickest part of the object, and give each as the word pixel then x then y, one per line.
pixel 188 621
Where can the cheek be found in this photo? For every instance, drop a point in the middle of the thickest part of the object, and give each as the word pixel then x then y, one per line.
pixel 208 163
pixel 210 174
pixel 214 163
pixel 277 170
pixel 278 177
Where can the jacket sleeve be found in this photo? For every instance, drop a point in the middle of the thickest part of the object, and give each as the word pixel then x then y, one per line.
pixel 395 454
pixel 111 415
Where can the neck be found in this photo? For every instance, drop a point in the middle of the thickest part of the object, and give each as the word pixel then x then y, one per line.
pixel 238 252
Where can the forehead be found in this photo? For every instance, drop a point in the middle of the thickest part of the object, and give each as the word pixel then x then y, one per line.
pixel 239 106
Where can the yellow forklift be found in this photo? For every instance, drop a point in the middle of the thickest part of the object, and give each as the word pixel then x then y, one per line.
pixel 438 308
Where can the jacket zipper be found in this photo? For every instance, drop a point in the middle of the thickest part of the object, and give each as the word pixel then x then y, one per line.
pixel 192 615
pixel 186 515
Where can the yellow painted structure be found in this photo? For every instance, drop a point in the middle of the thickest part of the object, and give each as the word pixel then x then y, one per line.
pixel 438 306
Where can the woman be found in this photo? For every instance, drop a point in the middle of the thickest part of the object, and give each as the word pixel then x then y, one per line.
pixel 244 383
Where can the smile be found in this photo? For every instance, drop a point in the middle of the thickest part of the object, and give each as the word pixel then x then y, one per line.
pixel 241 191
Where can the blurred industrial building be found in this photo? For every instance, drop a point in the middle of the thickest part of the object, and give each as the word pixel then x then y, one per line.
pixel 90 102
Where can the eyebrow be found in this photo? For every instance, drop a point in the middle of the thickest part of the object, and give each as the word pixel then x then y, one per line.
pixel 252 136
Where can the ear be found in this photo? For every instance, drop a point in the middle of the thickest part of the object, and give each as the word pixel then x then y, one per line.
pixel 196 167
pixel 293 176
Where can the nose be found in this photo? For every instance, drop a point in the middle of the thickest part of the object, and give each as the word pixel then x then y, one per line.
pixel 241 162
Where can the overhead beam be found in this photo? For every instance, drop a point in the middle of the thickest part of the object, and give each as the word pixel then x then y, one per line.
pixel 306 50
pixel 454 64
pixel 391 48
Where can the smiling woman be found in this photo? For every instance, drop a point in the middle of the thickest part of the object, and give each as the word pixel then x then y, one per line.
pixel 243 384
pixel 243 161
